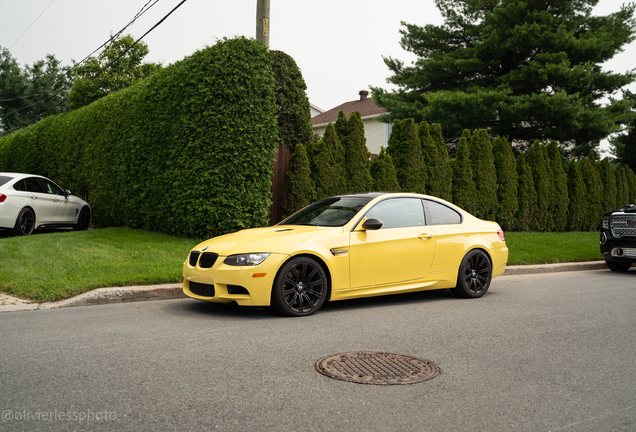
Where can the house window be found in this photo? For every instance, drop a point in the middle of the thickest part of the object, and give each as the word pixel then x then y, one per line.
pixel 388 128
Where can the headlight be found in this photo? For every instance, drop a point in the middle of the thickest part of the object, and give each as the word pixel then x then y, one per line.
pixel 251 259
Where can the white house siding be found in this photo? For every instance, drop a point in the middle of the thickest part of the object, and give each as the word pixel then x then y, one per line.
pixel 375 133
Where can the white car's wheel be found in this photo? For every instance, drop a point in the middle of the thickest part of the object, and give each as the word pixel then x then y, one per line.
pixel 25 223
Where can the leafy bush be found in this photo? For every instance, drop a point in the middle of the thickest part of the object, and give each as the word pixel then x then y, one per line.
pixel 187 151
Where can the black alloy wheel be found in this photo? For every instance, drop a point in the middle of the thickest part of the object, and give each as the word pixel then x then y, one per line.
pixel 474 275
pixel 25 223
pixel 300 287
pixel 84 219
pixel 618 266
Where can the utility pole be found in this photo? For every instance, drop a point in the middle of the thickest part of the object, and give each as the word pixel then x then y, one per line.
pixel 262 21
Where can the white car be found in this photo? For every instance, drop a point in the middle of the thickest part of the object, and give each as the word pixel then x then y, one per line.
pixel 29 202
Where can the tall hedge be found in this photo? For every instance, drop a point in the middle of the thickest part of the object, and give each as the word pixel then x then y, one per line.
pixel 484 175
pixel 444 173
pixel 507 183
pixel 542 177
pixel 527 195
pixel 559 200
pixel 294 117
pixel 327 171
pixel 577 209
pixel 406 153
pixel 435 163
pixel 300 190
pixel 463 184
pixel 608 179
pixel 187 151
pixel 594 188
pixel 383 173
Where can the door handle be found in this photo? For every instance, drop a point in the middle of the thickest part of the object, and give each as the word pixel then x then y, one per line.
pixel 424 236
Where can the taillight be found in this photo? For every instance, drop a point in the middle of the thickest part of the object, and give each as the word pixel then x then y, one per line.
pixel 501 235
pixel 3 197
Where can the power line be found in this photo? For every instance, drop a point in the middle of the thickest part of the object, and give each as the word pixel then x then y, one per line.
pixel 101 71
pixel 31 25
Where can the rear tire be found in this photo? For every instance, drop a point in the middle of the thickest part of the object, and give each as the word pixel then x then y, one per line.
pixel 618 266
pixel 25 223
pixel 473 278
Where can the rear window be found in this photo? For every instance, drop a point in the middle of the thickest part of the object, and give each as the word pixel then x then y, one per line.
pixel 4 179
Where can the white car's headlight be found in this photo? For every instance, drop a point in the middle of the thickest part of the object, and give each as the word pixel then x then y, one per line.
pixel 251 259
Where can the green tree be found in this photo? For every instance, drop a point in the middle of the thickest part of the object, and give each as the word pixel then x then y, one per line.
pixel 527 195
pixel 559 200
pixel 577 208
pixel 526 70
pixel 507 183
pixel 622 189
pixel 624 145
pixel 28 95
pixel 434 162
pixel 97 77
pixel 541 175
pixel 484 175
pixel 406 152
pixel 608 181
pixel 383 173
pixel 631 181
pixel 444 170
pixel 594 207
pixel 463 185
pixel 294 118
pixel 327 173
pixel 299 189
pixel 356 155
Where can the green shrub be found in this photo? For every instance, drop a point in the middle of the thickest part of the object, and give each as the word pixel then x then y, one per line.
pixel 577 210
pixel 444 172
pixel 507 183
pixel 300 189
pixel 542 177
pixel 463 185
pixel 187 151
pixel 327 172
pixel 526 195
pixel 559 200
pixel 484 175
pixel 383 173
pixel 406 153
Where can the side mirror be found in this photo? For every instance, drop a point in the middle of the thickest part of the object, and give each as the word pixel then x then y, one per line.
pixel 372 224
pixel 67 192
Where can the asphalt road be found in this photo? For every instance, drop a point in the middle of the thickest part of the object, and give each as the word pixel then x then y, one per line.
pixel 545 352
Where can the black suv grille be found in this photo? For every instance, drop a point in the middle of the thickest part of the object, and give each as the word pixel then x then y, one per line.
pixel 203 290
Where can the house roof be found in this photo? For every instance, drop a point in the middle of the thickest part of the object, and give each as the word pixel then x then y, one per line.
pixel 364 106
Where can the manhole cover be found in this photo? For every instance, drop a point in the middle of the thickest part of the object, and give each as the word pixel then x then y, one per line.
pixel 377 368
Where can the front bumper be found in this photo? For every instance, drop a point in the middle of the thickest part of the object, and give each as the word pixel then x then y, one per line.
pixel 246 285
pixel 621 249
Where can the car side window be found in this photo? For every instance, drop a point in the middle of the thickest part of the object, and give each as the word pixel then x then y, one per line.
pixel 19 186
pixel 51 188
pixel 398 212
pixel 439 214
pixel 32 184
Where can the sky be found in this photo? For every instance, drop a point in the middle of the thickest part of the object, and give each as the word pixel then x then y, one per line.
pixel 338 44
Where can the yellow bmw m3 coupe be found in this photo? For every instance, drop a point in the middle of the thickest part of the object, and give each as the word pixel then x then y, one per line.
pixel 346 247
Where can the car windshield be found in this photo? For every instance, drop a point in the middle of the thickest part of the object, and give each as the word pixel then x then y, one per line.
pixel 335 211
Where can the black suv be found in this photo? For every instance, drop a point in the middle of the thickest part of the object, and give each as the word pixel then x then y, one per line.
pixel 618 238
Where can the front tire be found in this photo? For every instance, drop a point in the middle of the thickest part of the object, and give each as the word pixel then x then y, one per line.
pixel 84 220
pixel 300 288
pixel 473 279
pixel 25 223
pixel 618 266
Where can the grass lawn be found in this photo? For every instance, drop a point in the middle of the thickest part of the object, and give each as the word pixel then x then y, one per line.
pixel 46 267
pixel 54 266
pixel 546 248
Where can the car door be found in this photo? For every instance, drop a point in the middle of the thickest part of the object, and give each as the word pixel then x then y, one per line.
pixel 41 202
pixel 63 208
pixel 402 250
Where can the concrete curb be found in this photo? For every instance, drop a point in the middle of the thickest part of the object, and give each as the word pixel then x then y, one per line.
pixel 173 291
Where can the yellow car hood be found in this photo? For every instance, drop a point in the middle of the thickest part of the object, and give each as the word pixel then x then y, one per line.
pixel 283 239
